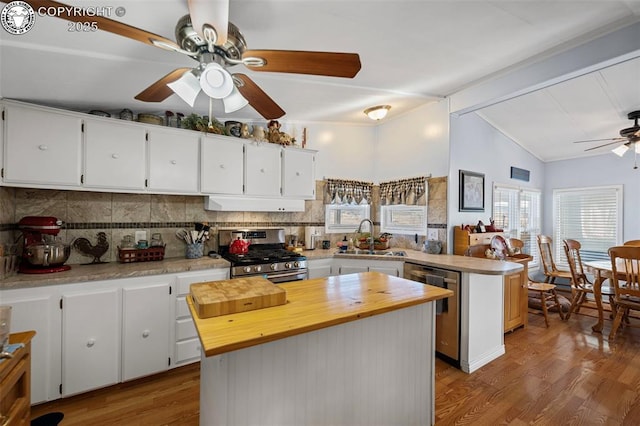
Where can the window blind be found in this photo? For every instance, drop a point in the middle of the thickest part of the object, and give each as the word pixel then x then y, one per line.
pixel 592 216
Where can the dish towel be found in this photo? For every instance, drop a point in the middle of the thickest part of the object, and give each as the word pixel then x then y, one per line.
pixel 10 349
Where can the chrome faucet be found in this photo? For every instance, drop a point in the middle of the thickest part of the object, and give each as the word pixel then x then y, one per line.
pixel 370 233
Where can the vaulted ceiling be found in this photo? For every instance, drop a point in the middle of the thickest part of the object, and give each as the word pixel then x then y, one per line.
pixel 412 53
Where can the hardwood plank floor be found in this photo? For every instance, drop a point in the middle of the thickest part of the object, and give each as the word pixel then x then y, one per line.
pixel 561 375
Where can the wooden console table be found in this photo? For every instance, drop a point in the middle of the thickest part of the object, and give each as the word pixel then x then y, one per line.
pixel 15 382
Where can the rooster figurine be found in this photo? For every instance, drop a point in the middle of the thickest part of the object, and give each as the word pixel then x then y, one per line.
pixel 85 247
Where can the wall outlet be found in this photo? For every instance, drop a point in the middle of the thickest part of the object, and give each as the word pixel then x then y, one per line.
pixel 432 234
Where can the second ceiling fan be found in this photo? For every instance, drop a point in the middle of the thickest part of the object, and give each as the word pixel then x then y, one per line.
pixel 207 36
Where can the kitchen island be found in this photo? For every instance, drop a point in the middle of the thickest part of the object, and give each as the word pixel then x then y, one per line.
pixel 351 349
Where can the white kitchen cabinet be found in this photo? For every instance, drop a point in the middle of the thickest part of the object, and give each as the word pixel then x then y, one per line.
pixel 187 347
pixel 114 154
pixel 262 175
pixel 38 309
pixel 320 268
pixel 42 147
pixel 351 266
pixel 91 322
pixel 222 165
pixel 145 327
pixel 298 173
pixel 173 160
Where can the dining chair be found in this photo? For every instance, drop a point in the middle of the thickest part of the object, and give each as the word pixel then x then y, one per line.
pixel 551 272
pixel 545 294
pixel 580 284
pixel 625 266
pixel 632 243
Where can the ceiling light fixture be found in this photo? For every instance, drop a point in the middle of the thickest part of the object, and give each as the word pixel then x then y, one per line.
pixel 215 81
pixel 377 112
pixel 234 101
pixel 187 87
pixel 619 151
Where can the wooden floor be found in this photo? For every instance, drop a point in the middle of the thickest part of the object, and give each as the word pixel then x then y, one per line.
pixel 563 375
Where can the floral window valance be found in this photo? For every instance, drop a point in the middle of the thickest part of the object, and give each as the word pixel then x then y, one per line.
pixel 350 192
pixel 405 191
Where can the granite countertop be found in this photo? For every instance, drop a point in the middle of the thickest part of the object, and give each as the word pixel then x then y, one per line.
pixel 112 270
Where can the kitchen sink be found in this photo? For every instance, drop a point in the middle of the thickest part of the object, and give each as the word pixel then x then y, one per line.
pixel 364 252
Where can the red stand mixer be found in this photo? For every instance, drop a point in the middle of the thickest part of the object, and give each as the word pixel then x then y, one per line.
pixel 41 253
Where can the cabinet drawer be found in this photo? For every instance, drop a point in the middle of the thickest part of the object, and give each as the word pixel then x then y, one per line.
pixel 479 239
pixel 185 329
pixel 187 350
pixel 182 309
pixel 185 281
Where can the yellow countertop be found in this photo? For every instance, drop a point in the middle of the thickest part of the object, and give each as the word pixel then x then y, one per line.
pixel 313 305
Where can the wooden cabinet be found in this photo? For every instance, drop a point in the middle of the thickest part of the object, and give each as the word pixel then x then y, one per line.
pixel 298 173
pixel 42 148
pixel 173 160
pixel 186 344
pixel 90 339
pixel 515 296
pixel 15 382
pixel 114 154
pixel 262 175
pixel 463 239
pixel 320 268
pixel 222 165
pixel 145 330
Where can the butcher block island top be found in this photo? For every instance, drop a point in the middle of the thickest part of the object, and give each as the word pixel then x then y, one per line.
pixel 312 305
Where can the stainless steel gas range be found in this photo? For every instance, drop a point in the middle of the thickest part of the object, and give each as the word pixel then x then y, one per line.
pixel 266 255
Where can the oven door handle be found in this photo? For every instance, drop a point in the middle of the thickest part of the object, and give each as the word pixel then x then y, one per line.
pixel 300 275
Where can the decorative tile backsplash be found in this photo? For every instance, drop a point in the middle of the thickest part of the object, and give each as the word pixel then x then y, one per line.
pixel 87 213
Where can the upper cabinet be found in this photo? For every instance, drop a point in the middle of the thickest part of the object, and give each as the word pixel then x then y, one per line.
pixel 173 160
pixel 42 147
pixel 221 162
pixel 50 148
pixel 114 154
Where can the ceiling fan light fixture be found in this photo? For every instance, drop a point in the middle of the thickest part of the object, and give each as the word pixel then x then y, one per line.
pixel 234 101
pixel 377 112
pixel 637 143
pixel 215 81
pixel 187 87
pixel 620 151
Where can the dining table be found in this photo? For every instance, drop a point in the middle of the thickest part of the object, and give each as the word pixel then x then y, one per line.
pixel 601 270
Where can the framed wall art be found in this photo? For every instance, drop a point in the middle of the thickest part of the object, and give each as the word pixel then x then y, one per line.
pixel 471 192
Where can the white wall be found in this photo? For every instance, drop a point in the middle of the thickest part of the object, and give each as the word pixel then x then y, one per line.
pixel 607 169
pixel 414 144
pixel 478 147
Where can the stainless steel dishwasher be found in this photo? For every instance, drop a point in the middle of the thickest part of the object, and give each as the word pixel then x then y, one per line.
pixel 447 310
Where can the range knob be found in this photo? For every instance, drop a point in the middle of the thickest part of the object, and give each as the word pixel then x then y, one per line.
pixel 296 264
pixel 258 268
pixel 247 269
pixel 287 265
pixel 273 266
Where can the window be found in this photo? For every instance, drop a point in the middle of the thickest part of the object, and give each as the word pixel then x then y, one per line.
pixel 403 219
pixel 592 216
pixel 344 217
pixel 517 211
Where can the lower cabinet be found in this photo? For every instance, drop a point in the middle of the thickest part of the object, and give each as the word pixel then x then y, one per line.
pixel 515 297
pixel 320 268
pixel 351 266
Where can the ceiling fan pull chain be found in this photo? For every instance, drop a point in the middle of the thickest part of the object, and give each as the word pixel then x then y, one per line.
pixel 210 112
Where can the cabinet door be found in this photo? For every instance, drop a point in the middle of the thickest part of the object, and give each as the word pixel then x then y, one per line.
pixel 42 147
pixel 145 331
pixel 262 170
pixel 114 155
pixel 515 310
pixel 298 173
pixel 173 160
pixel 319 268
pixel 222 165
pixel 38 309
pixel 90 340
pixel 389 270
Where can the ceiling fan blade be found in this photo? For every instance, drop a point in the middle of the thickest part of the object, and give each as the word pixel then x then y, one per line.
pixel 214 13
pixel 105 24
pixel 258 99
pixel 159 91
pixel 302 62
pixel 600 140
pixel 602 146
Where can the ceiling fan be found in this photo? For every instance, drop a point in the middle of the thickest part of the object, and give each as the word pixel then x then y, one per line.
pixel 629 138
pixel 207 36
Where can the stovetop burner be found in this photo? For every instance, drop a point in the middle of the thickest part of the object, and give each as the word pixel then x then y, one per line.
pixel 259 256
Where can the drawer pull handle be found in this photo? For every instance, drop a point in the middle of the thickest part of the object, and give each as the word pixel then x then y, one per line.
pixel 174 162
pixel 146 334
pixel 43 147
pixel 222 166
pixel 90 343
pixel 262 170
pixel 297 173
pixel 115 156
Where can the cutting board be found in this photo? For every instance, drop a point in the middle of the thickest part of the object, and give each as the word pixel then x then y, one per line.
pixel 215 298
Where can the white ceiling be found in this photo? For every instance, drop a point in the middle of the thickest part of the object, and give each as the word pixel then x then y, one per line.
pixel 412 52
